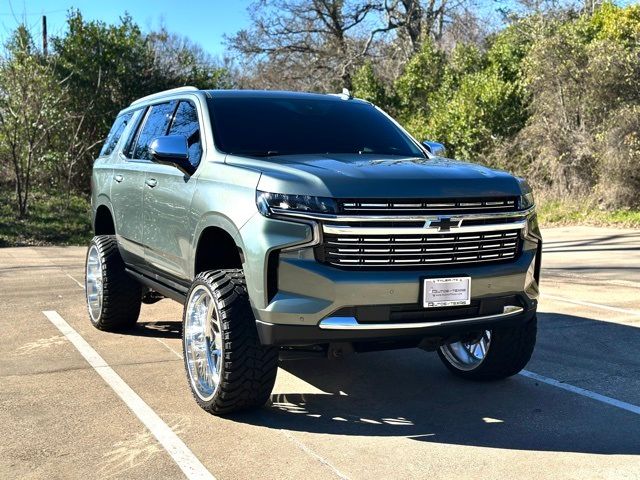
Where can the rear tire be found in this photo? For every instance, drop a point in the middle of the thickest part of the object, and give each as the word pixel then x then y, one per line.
pixel 509 350
pixel 113 297
pixel 227 367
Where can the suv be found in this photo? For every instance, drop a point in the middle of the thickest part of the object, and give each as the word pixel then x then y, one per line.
pixel 306 224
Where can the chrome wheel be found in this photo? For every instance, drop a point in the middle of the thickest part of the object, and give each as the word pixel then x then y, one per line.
pixel 467 355
pixel 202 342
pixel 93 283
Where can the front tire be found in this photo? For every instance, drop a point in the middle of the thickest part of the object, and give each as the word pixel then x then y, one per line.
pixel 227 367
pixel 496 354
pixel 113 297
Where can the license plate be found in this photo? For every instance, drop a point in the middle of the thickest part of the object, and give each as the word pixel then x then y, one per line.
pixel 446 292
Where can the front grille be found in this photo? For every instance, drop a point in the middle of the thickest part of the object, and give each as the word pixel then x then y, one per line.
pixel 414 250
pixel 427 207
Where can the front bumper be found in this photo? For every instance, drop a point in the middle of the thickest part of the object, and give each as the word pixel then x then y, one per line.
pixel 295 306
pixel 350 331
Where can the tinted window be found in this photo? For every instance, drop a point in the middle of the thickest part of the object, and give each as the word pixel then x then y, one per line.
pixel 286 126
pixel 115 133
pixel 185 122
pixel 155 125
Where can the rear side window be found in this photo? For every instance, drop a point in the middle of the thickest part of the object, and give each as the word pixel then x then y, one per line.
pixel 114 134
pixel 155 125
pixel 186 123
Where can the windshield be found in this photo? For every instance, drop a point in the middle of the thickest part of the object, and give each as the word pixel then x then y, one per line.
pixel 290 126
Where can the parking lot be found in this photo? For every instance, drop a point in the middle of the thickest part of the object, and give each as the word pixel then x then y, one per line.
pixel 68 411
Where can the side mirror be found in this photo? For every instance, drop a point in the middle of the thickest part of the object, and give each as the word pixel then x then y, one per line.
pixel 435 148
pixel 172 150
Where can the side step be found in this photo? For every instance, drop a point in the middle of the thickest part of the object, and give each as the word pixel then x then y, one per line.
pixel 174 292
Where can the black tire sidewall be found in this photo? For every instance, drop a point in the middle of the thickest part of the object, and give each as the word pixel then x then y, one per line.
pixel 121 294
pixel 509 352
pixel 248 369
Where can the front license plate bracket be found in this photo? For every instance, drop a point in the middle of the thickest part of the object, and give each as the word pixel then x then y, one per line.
pixel 446 292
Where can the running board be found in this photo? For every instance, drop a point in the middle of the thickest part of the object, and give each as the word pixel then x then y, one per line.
pixel 350 323
pixel 174 292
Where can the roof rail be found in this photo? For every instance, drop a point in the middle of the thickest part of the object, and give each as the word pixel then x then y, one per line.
pixel 163 93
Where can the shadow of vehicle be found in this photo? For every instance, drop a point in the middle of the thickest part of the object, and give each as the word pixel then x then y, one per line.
pixel 407 393
pixel 158 329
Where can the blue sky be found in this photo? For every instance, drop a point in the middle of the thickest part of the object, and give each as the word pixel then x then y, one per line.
pixel 204 22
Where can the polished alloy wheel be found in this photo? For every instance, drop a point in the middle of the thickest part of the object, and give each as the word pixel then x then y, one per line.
pixel 202 343
pixel 93 283
pixel 467 355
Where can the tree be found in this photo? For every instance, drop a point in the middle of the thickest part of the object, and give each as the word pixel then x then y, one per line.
pixel 581 79
pixel 31 117
pixel 108 66
pixel 416 88
pixel 177 61
pixel 320 44
pixel 366 85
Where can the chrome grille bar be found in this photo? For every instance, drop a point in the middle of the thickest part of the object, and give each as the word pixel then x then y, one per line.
pixel 358 250
pixel 415 233
pixel 462 206
pixel 398 217
pixel 344 230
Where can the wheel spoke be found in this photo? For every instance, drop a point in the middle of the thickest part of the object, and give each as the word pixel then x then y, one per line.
pixel 202 338
pixel 467 355
pixel 93 282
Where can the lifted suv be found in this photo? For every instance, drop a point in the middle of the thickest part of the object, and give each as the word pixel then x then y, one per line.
pixel 311 224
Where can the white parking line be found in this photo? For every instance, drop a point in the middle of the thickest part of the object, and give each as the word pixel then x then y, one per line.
pixel 628 311
pixel 77 282
pixel 179 452
pixel 581 391
pixel 313 454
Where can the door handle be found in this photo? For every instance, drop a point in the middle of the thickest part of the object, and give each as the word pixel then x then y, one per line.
pixel 118 178
pixel 151 182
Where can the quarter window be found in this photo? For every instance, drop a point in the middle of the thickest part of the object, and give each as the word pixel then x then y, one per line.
pixel 155 125
pixel 186 123
pixel 115 133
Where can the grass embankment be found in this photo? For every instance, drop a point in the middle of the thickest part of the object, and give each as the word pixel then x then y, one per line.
pixel 553 213
pixel 51 221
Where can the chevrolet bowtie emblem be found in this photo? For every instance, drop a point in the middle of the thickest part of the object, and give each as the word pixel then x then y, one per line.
pixel 443 224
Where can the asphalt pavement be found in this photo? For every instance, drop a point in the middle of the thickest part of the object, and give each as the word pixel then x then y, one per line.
pixel 79 403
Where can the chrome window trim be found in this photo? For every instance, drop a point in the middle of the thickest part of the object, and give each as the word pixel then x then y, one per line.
pixel 350 323
pixel 404 218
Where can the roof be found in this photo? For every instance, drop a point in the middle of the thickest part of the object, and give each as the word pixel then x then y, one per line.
pixel 245 94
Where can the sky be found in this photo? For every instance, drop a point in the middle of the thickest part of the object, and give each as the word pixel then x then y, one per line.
pixel 204 22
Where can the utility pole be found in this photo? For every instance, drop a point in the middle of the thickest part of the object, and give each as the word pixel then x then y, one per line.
pixel 44 35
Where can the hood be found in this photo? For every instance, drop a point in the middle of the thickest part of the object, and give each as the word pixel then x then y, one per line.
pixel 374 176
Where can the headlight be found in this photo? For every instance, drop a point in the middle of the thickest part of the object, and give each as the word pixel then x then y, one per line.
pixel 526 201
pixel 266 202
pixel 526 198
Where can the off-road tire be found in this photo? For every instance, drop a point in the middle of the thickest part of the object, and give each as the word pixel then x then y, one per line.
pixel 509 352
pixel 121 294
pixel 248 369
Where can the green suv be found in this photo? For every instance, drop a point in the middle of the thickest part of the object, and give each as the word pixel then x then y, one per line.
pixel 306 224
